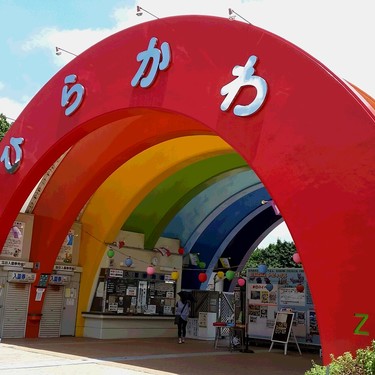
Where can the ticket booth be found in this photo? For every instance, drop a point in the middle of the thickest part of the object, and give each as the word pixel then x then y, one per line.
pixel 60 306
pixel 14 302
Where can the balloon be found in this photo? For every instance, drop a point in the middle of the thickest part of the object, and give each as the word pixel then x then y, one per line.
pixel 181 251
pixel 220 274
pixel 300 288
pixel 269 287
pixel 150 270
pixel 202 277
pixel 128 262
pixel 202 265
pixel 262 268
pixel 241 281
pixel 174 275
pixel 229 275
pixel 110 253
pixel 296 258
pixel 121 244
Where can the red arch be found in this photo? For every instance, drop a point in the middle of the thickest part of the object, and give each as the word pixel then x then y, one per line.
pixel 312 143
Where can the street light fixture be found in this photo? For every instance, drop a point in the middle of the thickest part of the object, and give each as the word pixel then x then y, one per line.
pixel 140 13
pixel 233 14
pixel 59 50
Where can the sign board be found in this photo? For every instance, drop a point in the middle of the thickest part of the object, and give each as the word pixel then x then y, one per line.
pixel 59 280
pixel 13 263
pixel 283 326
pixel 115 273
pixel 21 277
pixel 283 329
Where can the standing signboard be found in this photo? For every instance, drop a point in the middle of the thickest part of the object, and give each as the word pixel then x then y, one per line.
pixel 283 329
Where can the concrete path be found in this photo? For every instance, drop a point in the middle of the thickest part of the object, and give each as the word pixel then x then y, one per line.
pixel 162 356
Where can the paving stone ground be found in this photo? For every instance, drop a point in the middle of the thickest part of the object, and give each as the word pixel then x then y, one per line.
pixel 163 356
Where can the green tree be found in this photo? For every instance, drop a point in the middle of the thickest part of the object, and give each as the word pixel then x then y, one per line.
pixel 278 255
pixel 4 125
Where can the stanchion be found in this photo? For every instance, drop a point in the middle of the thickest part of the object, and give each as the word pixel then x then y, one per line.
pixel 246 335
pixel 247 350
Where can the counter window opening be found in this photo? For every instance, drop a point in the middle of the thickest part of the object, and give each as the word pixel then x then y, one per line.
pixel 134 293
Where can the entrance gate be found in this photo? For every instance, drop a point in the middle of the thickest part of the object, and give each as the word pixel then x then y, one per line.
pixel 297 125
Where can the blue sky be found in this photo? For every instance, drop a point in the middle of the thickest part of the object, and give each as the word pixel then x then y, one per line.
pixel 339 33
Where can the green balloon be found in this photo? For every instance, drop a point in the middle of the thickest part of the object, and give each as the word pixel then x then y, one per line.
pixel 110 253
pixel 229 275
pixel 202 265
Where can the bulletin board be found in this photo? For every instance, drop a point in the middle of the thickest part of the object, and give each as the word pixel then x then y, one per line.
pixel 274 291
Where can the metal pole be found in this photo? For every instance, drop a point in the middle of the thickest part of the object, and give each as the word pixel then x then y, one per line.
pixel 247 350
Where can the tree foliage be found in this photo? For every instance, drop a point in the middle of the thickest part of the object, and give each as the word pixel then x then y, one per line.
pixel 278 255
pixel 4 125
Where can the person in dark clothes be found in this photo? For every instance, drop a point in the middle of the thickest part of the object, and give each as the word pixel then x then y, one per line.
pixel 183 311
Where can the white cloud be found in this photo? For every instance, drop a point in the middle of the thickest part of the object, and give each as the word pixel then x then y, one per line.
pixel 78 40
pixel 337 33
pixel 74 41
pixel 334 32
pixel 11 108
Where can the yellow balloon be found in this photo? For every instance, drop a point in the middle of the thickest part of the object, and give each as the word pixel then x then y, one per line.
pixel 174 275
pixel 220 274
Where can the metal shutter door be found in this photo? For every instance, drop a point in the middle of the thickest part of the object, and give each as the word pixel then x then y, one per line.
pixel 52 311
pixel 15 310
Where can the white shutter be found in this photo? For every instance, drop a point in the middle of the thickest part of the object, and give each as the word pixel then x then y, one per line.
pixel 52 312
pixel 15 310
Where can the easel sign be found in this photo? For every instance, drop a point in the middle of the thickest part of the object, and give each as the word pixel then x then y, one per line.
pixel 283 329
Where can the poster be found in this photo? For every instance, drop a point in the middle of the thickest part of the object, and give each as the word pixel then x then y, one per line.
pixel 66 251
pixel 261 320
pixel 202 320
pixel 313 326
pixel 151 309
pixel 290 296
pixel 167 310
pixel 14 242
pixel 131 291
pixel 258 294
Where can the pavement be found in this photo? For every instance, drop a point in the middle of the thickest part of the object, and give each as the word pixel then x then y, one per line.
pixel 161 356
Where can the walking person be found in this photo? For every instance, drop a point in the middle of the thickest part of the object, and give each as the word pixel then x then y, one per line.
pixel 182 312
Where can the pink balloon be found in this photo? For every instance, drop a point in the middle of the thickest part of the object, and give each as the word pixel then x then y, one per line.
pixel 150 270
pixel 241 282
pixel 296 258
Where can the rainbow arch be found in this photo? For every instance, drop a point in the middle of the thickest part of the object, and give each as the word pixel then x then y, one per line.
pixel 311 144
